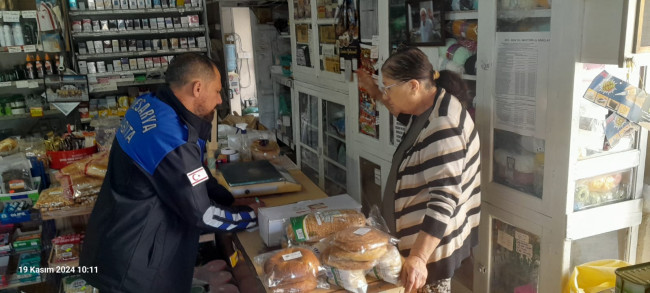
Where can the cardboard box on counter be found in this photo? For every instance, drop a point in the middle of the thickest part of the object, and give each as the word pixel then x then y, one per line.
pixel 271 220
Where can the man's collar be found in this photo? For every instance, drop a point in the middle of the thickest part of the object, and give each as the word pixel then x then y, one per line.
pixel 203 126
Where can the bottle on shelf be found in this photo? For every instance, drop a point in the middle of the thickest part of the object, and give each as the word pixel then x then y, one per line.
pixel 8 35
pixel 40 71
pixel 57 63
pixel 245 151
pixel 48 65
pixel 17 30
pixel 30 71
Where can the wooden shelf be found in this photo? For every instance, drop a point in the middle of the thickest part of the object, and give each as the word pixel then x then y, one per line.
pixel 156 11
pixel 28 116
pixel 335 163
pixel 335 136
pixel 145 32
pixel 469 77
pixel 520 14
pixel 66 212
pixel 139 53
pixel 455 15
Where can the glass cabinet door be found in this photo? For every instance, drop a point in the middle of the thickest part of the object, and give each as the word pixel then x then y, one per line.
pixel 334 148
pixel 308 133
pixel 515 258
pixel 520 93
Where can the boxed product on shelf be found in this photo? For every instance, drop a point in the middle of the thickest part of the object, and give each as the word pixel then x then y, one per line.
pixel 16 211
pixel 193 20
pixel 108 4
pixel 99 46
pixel 108 46
pixel 95 25
pixel 160 22
pixel 141 64
pixel 133 63
pixel 191 42
pixel 124 4
pixel 101 66
pixel 121 25
pixel 132 45
pixel 103 25
pixel 133 4
pixel 116 4
pixel 148 62
pixel 164 44
pixel 27 241
pixel 91 4
pixel 90 45
pixel 124 46
pixel 112 24
pixel 185 21
pixel 128 23
pixel 139 44
pixel 157 4
pixel 116 45
pixel 183 43
pixel 109 68
pixel 145 23
pixel 76 284
pixel 141 4
pixel 137 25
pixel 99 4
pixel 117 65
pixel 176 21
pixel 82 48
pixel 174 43
pixel 77 26
pixel 155 44
pixel 169 23
pixel 4 263
pixel 125 64
pixel 153 23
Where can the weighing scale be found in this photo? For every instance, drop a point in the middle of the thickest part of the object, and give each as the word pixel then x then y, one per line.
pixel 255 178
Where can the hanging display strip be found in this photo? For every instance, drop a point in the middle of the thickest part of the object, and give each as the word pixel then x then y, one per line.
pixel 368 113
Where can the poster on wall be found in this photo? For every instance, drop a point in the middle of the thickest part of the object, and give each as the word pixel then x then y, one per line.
pixel 327 8
pixel 347 32
pixel 49 25
pixel 368 113
pixel 301 9
pixel 521 82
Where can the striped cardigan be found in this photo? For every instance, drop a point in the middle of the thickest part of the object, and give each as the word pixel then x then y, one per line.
pixel 438 187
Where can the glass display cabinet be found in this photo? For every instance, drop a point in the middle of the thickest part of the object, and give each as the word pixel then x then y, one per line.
pixel 322 137
pixel 558 190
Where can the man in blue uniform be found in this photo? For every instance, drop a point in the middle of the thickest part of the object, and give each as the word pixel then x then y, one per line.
pixel 158 196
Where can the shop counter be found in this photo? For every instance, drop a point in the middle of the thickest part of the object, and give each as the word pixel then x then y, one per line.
pixel 250 244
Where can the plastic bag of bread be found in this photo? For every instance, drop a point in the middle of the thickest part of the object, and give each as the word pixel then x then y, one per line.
pixel 389 266
pixel 351 280
pixel 343 263
pixel 52 198
pixel 292 269
pixel 315 226
pixel 358 241
pixel 8 146
pixel 94 166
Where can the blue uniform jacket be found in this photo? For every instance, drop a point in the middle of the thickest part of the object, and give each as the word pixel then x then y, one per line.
pixel 155 200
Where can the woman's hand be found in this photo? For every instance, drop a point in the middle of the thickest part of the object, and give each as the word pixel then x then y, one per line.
pixel 367 83
pixel 414 273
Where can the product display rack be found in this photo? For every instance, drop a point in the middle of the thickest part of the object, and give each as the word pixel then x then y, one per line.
pixel 155 40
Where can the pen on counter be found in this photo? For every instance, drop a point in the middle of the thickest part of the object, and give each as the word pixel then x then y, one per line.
pixel 257 200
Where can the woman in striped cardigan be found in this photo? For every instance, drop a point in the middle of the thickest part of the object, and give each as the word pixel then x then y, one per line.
pixel 432 197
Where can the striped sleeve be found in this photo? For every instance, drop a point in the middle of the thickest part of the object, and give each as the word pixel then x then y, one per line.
pixel 442 160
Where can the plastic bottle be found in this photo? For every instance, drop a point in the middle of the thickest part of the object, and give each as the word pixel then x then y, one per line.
pixel 30 72
pixel 245 151
pixel 17 30
pixel 40 71
pixel 57 64
pixel 8 35
pixel 2 38
pixel 48 65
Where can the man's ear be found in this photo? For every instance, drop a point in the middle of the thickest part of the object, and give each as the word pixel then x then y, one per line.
pixel 197 87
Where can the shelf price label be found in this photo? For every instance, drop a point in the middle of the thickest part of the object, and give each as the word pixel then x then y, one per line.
pixel 5 84
pixel 32 84
pixel 29 13
pixel 14 49
pixel 11 16
pixel 29 48
pixel 21 84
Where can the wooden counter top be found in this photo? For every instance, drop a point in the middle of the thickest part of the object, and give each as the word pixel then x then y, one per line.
pixel 250 243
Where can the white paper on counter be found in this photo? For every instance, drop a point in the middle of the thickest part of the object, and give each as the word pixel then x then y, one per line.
pixel 521 82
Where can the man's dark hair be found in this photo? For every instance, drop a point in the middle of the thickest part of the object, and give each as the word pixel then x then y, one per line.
pixel 188 66
pixel 411 63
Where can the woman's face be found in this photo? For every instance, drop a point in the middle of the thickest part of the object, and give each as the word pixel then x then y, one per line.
pixel 398 94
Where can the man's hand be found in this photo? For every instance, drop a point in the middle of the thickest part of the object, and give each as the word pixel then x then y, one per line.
pixel 414 273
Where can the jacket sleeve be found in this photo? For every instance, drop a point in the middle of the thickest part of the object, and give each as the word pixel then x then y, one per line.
pixel 217 192
pixel 181 182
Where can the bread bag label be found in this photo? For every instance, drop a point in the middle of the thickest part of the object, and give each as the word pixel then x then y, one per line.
pixel 291 256
pixel 326 217
pixel 298 226
pixel 362 231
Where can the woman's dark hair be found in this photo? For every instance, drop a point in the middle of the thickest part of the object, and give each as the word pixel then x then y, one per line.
pixel 411 63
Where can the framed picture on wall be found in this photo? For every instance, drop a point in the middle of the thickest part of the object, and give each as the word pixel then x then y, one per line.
pixel 424 20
